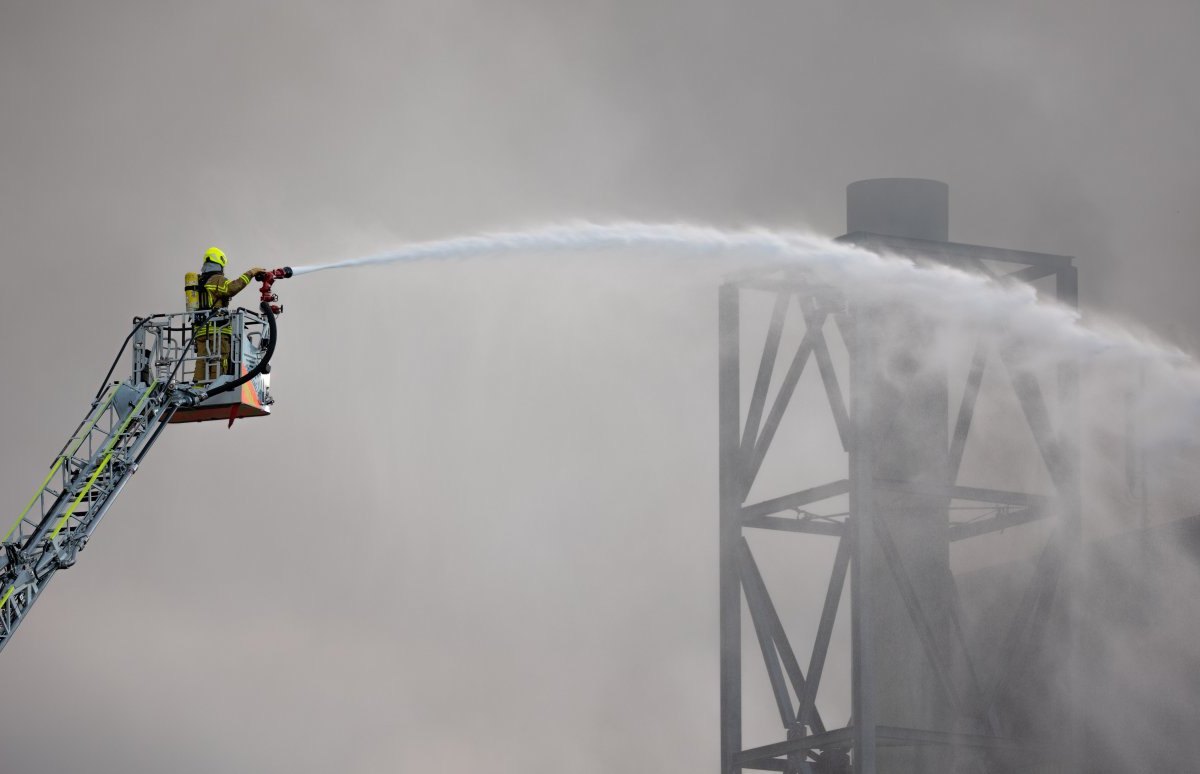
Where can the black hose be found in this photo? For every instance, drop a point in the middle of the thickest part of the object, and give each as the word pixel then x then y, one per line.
pixel 262 364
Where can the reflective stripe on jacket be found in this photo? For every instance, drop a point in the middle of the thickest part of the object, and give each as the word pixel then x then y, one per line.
pixel 215 293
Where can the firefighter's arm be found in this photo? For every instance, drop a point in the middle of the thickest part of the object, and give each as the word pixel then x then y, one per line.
pixel 231 288
pixel 223 289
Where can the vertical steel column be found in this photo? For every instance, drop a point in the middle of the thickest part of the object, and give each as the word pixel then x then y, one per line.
pixel 729 410
pixel 862 554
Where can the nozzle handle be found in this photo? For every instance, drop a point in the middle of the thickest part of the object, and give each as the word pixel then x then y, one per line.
pixel 274 274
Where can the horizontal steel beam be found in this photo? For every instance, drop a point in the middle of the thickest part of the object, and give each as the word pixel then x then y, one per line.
pixel 995 523
pixel 953 251
pixel 973 493
pixel 797 499
pixel 838 738
pixel 1030 273
pixel 766 756
pixel 999 496
pixel 895 736
pixel 807 526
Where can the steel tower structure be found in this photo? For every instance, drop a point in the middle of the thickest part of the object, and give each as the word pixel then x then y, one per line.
pixel 920 700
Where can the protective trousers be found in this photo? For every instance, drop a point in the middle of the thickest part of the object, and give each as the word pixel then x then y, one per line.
pixel 213 356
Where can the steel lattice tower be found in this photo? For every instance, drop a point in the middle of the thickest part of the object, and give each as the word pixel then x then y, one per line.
pixel 919 701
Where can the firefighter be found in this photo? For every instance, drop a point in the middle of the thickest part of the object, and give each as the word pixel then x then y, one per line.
pixel 214 339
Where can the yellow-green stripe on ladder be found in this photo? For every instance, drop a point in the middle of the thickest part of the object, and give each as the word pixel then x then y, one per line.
pixel 78 440
pixel 107 458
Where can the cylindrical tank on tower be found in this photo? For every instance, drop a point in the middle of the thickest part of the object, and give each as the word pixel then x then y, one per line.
pixel 909 207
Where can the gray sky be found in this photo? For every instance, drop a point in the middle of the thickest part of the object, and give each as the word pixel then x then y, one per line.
pixel 480 530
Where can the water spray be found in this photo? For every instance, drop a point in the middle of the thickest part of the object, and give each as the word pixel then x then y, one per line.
pixel 873 278
pixel 952 296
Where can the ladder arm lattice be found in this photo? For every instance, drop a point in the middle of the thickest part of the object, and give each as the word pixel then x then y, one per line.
pixel 122 424
pixel 84 480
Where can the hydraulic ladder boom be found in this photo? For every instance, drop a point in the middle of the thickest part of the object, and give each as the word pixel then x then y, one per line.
pixel 123 423
pixel 83 482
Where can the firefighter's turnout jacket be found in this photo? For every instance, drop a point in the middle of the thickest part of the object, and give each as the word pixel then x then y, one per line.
pixel 215 292
pixel 214 339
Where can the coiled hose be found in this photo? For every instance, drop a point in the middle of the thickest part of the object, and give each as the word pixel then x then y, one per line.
pixel 263 365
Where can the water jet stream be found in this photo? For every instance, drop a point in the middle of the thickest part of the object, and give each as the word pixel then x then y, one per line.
pixel 1046 333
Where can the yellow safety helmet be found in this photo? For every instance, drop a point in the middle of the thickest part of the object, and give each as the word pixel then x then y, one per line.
pixel 215 255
